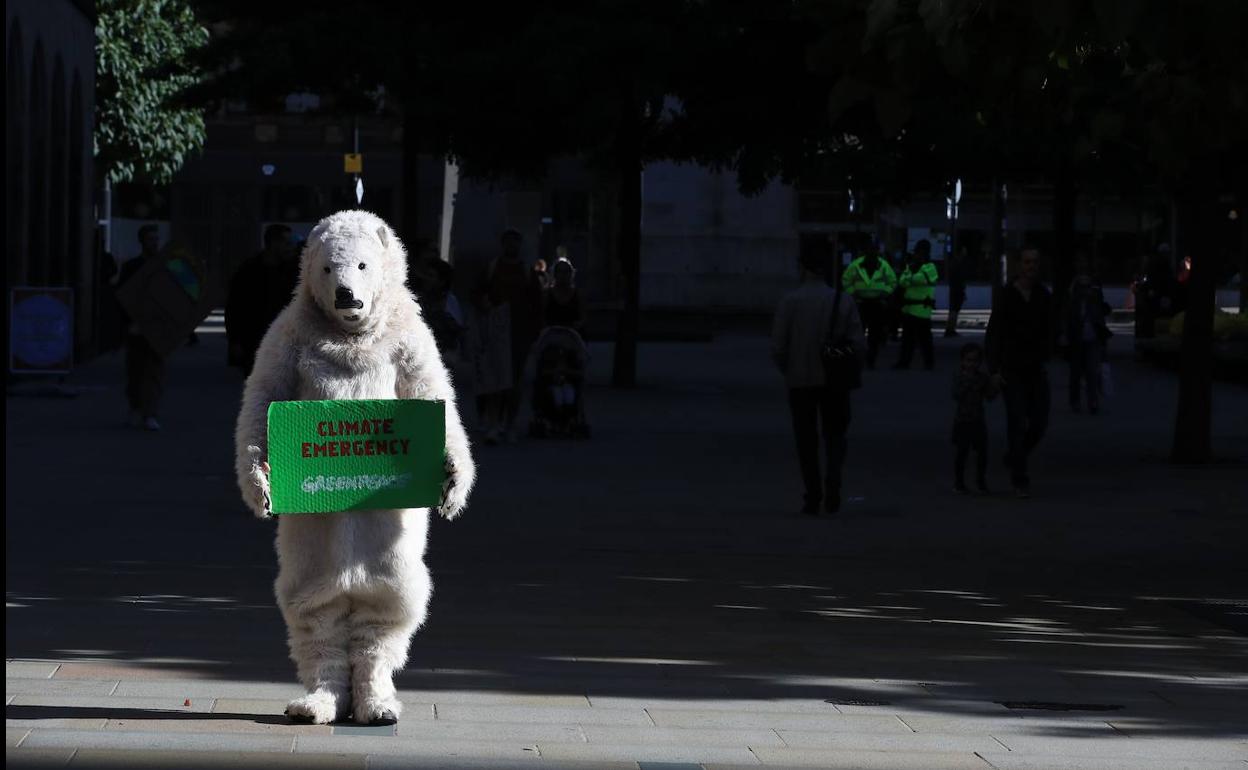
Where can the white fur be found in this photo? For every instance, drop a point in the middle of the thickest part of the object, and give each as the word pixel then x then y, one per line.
pixel 352 587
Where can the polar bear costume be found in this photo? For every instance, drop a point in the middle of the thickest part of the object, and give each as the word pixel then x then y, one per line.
pixel 352 587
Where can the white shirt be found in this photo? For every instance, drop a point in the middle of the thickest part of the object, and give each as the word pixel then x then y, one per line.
pixel 801 326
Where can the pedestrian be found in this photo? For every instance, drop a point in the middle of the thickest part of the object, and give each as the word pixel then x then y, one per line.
pixel 806 319
pixel 261 288
pixel 511 299
pixel 1086 336
pixel 432 279
pixel 1019 342
pixel 542 275
pixel 918 283
pixel 872 282
pixel 957 289
pixel 563 303
pixel 108 319
pixel 145 367
pixel 971 388
pixel 1154 294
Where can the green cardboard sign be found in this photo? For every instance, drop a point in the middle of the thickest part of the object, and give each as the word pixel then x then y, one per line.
pixel 327 456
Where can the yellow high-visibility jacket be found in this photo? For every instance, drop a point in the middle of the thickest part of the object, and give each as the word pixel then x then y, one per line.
pixel 919 286
pixel 863 285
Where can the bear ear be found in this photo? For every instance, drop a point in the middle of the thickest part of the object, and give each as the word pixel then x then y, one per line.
pixel 383 235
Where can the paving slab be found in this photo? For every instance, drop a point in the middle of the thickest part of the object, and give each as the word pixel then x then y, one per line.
pixel 23 669
pixel 477 698
pixel 1224 725
pixel 786 705
pixel 73 723
pixel 382 762
pixel 108 706
pixel 871 760
pixel 13 736
pixel 157 741
pixel 476 749
pixel 1007 725
pixel 495 731
pixel 200 688
pixel 834 722
pixel 1208 748
pixel 642 752
pixel 933 742
pixel 38 757
pixel 126 671
pixel 274 726
pixel 543 715
pixel 215 760
pixel 74 687
pixel 1016 761
pixel 681 736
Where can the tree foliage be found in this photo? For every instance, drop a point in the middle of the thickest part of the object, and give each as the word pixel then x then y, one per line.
pixel 143 66
pixel 1109 94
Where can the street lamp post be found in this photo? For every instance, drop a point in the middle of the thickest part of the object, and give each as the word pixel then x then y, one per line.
pixel 951 211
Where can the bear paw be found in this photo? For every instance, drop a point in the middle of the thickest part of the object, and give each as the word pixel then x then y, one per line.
pixel 378 711
pixel 454 491
pixel 256 488
pixel 318 708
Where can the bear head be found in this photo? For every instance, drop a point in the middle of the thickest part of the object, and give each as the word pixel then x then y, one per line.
pixel 353 269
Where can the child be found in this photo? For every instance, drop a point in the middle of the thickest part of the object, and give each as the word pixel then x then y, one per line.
pixel 971 388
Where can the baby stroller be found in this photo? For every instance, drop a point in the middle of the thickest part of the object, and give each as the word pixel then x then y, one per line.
pixel 560 359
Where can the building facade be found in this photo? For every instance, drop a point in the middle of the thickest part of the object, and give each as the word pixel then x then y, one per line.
pixel 50 174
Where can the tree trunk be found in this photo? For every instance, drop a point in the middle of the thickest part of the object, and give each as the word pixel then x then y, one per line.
pixel 1065 199
pixel 1243 254
pixel 628 157
pixel 996 239
pixel 1194 416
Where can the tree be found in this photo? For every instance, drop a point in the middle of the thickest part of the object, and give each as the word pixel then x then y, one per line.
pixel 1123 93
pixel 620 84
pixel 505 89
pixel 144 63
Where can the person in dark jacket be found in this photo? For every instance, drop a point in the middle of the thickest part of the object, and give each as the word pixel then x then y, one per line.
pixel 1086 335
pixel 1019 343
pixel 145 367
pixel 260 289
pixel 563 302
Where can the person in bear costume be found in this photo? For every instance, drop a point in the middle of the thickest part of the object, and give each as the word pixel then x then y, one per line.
pixel 353 586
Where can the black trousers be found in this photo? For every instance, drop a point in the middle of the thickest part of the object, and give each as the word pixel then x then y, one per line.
pixel 145 376
pixel 816 409
pixel 874 314
pixel 916 331
pixel 968 436
pixel 1026 418
pixel 1086 358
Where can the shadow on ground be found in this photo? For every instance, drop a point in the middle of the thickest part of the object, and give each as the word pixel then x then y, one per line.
pixel 658 562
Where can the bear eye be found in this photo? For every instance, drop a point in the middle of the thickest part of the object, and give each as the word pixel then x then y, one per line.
pixel 362 265
pixel 327 269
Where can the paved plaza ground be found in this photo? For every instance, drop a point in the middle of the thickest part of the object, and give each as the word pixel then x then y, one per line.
pixel 651 597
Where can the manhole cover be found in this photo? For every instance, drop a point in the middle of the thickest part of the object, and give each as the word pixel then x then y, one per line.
pixel 1039 705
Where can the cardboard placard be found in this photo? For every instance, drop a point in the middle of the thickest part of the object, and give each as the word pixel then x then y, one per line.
pixel 160 302
pixel 328 456
pixel 41 330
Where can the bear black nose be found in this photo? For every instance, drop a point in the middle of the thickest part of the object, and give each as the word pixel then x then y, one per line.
pixel 344 293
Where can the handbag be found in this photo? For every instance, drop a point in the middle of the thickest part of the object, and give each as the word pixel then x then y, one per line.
pixel 842 368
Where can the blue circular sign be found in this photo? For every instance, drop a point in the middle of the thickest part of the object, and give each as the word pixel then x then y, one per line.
pixel 42 332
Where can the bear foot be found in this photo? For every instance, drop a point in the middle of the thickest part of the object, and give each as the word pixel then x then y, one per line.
pixel 378 711
pixel 317 708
